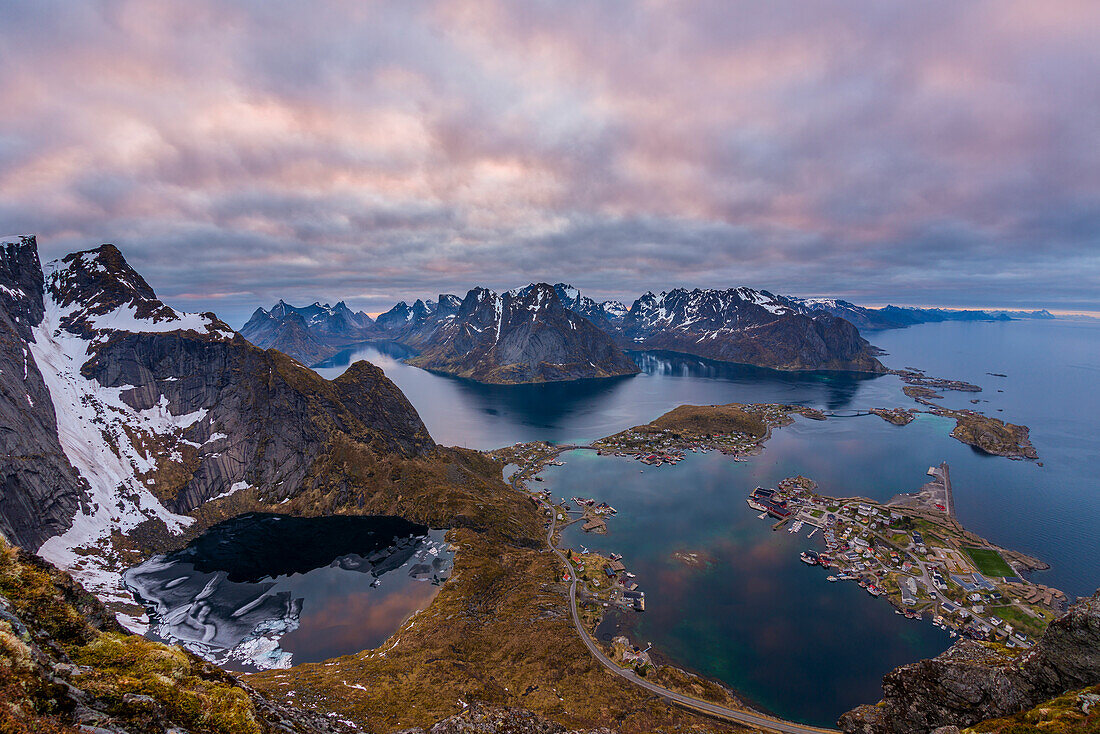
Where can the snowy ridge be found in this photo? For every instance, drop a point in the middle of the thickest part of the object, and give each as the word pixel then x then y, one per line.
pixel 92 419
pixel 108 296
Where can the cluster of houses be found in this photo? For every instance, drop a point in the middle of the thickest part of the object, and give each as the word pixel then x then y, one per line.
pixel 853 547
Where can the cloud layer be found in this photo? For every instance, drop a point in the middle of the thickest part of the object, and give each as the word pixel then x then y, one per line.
pixel 238 152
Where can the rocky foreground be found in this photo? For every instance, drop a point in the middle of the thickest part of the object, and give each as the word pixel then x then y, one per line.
pixel 972 681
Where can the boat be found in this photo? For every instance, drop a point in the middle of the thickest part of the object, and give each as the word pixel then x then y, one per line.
pixel 756 505
pixel 831 579
pixel 808 557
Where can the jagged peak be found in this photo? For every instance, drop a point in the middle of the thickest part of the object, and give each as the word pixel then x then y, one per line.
pixel 98 291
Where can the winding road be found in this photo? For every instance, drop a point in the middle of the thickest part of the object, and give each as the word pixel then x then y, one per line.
pixel 741 717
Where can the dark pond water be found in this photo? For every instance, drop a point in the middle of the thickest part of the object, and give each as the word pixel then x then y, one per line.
pixel 758 619
pixel 266 591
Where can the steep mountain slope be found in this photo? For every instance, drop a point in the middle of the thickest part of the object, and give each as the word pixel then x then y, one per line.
pixel 973 681
pixel 120 411
pixel 747 326
pixel 524 335
pixel 309 334
pixel 40 491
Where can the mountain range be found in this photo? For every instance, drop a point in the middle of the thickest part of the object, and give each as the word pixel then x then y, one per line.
pixel 542 333
pixel 481 336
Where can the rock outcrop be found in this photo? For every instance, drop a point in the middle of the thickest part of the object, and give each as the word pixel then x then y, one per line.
pixel 973 681
pixel 481 719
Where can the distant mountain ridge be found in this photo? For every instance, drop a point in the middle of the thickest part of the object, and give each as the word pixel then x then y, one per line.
pixel 308 333
pixel 742 325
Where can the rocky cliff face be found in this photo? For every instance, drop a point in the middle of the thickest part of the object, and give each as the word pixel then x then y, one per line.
pixel 525 335
pixel 40 490
pixel 972 681
pixel 747 326
pixel 119 410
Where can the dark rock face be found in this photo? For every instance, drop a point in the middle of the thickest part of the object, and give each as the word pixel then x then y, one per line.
pixel 257 417
pixel 309 334
pixel 525 335
pixel 746 326
pixel 275 416
pixel 972 682
pixel 40 490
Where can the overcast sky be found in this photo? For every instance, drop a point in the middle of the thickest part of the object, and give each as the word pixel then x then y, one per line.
pixel 932 152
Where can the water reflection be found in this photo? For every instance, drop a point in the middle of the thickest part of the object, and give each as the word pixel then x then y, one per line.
pixel 262 590
pixel 467 413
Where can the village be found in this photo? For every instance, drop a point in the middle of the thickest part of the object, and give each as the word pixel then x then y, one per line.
pixel 912 551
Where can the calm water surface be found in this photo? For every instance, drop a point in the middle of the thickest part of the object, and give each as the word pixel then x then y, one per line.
pixel 757 618
pixel 267 591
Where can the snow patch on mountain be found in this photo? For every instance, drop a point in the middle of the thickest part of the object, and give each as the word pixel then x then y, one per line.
pixel 94 426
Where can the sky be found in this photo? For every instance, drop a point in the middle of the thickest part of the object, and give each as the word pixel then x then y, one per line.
pixel 930 153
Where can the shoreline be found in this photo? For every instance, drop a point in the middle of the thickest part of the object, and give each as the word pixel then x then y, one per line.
pixel 669 445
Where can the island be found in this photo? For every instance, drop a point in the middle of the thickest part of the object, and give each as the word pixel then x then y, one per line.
pixel 739 430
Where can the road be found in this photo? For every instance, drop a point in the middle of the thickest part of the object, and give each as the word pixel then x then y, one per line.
pixel 741 717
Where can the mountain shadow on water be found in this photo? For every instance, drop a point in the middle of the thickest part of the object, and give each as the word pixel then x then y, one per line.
pixel 345 357
pixel 259 545
pixel 837 389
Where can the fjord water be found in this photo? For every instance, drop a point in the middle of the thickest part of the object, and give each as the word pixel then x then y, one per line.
pixel 758 619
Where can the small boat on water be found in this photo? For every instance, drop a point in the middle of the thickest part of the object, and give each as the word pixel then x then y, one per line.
pixel 808 557
pixel 831 579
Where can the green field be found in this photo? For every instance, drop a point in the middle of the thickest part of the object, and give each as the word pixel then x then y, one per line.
pixel 989 562
pixel 1021 621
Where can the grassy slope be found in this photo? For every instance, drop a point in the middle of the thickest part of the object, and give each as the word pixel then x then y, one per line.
pixel 711 419
pixel 1061 715
pixel 500 633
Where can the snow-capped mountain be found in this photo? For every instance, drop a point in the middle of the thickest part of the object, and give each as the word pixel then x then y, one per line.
pixel 522 335
pixel 122 414
pixel 607 315
pixel 748 326
pixel 308 333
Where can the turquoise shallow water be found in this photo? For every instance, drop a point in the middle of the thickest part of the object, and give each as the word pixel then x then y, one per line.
pixel 758 619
